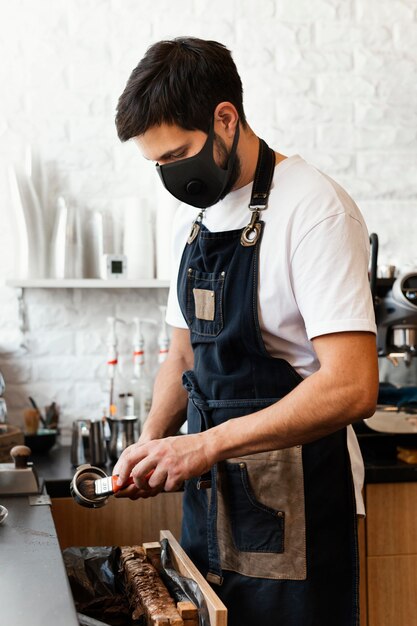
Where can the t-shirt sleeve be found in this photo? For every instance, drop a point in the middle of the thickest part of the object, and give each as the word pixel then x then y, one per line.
pixel 329 274
pixel 180 229
pixel 174 316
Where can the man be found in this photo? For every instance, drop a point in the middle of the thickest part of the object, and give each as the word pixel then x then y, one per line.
pixel 273 349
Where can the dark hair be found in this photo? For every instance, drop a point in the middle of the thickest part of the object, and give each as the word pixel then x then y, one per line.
pixel 179 82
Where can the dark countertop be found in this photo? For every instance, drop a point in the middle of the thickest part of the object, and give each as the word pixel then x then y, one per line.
pixel 379 451
pixel 34 585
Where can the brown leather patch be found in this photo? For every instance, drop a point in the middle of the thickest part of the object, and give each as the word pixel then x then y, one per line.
pixel 277 480
pixel 204 300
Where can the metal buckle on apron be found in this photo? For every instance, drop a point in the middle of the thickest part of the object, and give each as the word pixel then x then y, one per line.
pixel 204 482
pixel 252 231
pixel 195 228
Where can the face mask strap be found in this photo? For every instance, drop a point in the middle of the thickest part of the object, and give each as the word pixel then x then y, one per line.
pixel 208 145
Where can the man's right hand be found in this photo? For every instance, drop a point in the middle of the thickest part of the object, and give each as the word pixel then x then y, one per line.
pixel 169 405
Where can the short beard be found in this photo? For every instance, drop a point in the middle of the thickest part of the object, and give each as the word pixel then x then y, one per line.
pixel 224 155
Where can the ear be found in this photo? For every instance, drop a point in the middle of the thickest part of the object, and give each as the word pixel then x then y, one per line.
pixel 226 119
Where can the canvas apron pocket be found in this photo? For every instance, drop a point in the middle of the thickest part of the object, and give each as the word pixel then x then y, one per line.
pixel 261 527
pixel 255 526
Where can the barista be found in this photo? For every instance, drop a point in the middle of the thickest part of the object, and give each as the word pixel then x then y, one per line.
pixel 273 349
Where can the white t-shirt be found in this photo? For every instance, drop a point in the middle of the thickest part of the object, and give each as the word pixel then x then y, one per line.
pixel 313 267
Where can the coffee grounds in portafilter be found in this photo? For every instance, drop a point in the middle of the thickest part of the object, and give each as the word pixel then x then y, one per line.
pixel 86 486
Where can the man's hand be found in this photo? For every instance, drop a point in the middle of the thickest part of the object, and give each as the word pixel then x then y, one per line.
pixel 173 460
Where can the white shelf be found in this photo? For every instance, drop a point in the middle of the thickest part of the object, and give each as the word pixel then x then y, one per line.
pixel 86 283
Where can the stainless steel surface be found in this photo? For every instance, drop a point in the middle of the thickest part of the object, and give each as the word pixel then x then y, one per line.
pixel 124 432
pixel 404 336
pixel 88 444
pixel 392 422
pixel 98 453
pixel 386 271
pixel 34 585
pixel 40 500
pixel 18 481
pixel 3 513
pixel 3 406
pixel 3 411
pixel 80 442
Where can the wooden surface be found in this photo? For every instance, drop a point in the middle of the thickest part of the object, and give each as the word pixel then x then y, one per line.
pixel 391 519
pixel 391 546
pixel 119 522
pixel 183 565
pixel 392 590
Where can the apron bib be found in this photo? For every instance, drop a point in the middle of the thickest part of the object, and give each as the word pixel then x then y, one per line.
pixel 274 531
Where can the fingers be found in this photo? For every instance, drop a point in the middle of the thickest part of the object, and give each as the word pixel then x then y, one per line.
pixel 143 474
pixel 159 465
pixel 133 493
pixel 127 461
pixel 128 492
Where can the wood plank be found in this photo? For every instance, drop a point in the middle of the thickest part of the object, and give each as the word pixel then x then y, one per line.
pixel 145 589
pixel 391 519
pixel 184 565
pixel 120 522
pixel 187 610
pixel 392 590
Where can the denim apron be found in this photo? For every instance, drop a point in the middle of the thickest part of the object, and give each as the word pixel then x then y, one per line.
pixel 273 532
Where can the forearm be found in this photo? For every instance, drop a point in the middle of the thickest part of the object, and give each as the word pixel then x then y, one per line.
pixel 169 401
pixel 316 407
pixel 343 390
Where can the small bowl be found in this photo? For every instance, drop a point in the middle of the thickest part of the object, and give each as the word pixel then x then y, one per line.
pixel 42 442
pixel 3 513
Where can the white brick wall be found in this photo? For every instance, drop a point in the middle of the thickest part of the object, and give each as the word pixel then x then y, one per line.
pixel 334 80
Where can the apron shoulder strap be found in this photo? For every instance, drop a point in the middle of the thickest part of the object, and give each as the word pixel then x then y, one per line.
pixel 260 193
pixel 263 177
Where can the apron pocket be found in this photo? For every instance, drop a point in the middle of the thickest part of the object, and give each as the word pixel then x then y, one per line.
pixel 255 538
pixel 204 304
pixel 255 526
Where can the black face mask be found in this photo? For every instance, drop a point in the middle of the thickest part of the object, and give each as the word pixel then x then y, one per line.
pixel 198 180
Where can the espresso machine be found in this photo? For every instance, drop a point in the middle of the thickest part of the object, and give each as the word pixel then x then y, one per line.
pixel 395 304
pixel 396 318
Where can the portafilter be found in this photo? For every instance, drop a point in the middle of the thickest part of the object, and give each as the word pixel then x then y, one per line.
pixel 79 487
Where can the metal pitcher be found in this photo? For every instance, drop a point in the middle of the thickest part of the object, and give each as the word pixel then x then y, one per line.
pixel 124 432
pixel 98 452
pixel 88 444
pixel 80 442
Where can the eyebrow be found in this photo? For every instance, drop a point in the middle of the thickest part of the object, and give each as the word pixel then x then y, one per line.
pixel 170 152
